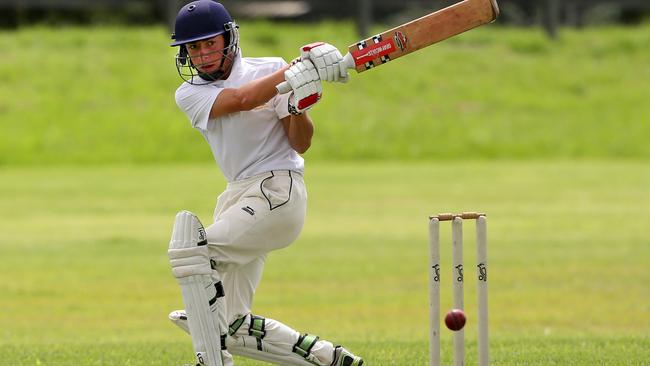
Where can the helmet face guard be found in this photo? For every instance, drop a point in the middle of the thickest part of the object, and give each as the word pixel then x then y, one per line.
pixel 201 20
pixel 190 71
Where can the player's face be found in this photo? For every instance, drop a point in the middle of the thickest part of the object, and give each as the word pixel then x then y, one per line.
pixel 206 54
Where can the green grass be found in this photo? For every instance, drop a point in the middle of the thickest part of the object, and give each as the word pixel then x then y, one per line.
pixel 548 137
pixel 98 95
pixel 85 279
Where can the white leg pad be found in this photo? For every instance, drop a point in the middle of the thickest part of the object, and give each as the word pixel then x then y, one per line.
pixel 248 346
pixel 200 287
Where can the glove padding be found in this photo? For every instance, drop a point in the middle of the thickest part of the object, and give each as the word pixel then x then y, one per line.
pixel 327 59
pixel 306 85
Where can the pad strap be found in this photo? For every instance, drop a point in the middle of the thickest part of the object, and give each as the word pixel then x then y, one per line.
pixel 219 293
pixel 256 328
pixel 234 326
pixel 304 345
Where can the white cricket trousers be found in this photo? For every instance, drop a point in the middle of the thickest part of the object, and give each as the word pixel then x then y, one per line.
pixel 253 217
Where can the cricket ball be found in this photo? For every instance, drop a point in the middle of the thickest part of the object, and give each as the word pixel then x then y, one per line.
pixel 455 319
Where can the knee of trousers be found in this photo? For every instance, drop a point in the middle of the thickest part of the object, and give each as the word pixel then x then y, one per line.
pixel 188 249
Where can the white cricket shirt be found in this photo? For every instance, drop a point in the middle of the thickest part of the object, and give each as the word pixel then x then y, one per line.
pixel 247 143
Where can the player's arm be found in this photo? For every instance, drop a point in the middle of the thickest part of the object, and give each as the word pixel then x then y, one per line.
pixel 328 64
pixel 299 130
pixel 307 90
pixel 248 96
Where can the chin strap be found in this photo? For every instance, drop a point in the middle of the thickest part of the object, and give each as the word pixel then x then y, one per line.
pixel 221 72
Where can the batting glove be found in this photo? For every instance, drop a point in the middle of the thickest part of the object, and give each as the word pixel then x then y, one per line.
pixel 327 59
pixel 306 86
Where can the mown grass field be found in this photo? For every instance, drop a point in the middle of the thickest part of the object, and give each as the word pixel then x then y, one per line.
pixel 549 138
pixel 85 278
pixel 95 95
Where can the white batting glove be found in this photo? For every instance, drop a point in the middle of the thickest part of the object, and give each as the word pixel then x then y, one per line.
pixel 327 59
pixel 306 85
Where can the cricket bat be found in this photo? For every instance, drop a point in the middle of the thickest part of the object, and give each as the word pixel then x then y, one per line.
pixel 416 34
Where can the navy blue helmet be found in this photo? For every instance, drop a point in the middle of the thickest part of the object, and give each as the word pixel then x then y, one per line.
pixel 199 20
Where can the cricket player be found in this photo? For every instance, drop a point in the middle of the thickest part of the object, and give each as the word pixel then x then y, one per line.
pixel 256 136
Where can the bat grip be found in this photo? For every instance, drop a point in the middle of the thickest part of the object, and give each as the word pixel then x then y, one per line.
pixel 283 87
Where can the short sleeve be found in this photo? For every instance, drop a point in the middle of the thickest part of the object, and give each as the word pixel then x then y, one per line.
pixel 281 105
pixel 196 102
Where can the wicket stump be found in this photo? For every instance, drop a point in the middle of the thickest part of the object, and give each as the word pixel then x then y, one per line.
pixel 458 293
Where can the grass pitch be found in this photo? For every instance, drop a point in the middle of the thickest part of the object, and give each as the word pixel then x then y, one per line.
pixel 85 279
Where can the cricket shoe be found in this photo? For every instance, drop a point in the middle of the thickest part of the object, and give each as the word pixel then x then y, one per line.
pixel 343 357
pixel 179 318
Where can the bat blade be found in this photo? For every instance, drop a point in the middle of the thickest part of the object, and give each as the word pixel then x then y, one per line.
pixel 422 32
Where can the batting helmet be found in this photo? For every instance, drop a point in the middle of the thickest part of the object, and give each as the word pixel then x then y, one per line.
pixel 198 20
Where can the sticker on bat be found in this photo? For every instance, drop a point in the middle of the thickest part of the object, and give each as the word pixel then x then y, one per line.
pixel 400 40
pixel 373 51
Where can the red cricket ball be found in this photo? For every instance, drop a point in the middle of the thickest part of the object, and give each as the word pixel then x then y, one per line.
pixel 455 319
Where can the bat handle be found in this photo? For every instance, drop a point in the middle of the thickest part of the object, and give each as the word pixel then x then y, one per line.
pixel 349 61
pixel 284 87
